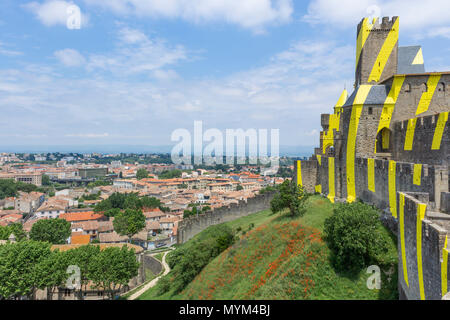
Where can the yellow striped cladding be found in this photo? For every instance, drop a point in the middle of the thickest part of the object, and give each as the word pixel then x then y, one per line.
pixel 328 137
pixel 444 268
pixel 392 188
pixel 361 96
pixel 417 177
pixel 331 187
pixel 299 173
pixel 363 34
pixel 371 174
pixel 439 131
pixel 425 100
pixel 421 209
pixel 409 138
pixel 389 104
pixel 401 221
pixel 385 53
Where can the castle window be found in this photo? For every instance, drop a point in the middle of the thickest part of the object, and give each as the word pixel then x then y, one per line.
pixel 441 87
pixel 383 140
pixel 424 87
pixel 370 110
pixel 408 87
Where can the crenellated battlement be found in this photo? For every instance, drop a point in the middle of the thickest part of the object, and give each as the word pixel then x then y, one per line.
pixel 386 24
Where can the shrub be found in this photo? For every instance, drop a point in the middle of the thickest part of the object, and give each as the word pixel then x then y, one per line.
pixel 163 285
pixel 355 235
pixel 290 196
pixel 188 261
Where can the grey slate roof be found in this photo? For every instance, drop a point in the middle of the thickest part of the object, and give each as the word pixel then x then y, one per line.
pixel 406 57
pixel 377 95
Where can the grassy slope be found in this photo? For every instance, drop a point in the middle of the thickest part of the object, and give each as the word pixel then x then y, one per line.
pixel 281 258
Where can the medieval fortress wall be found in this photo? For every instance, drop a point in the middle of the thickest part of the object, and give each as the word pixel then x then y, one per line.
pixel 388 144
pixel 188 228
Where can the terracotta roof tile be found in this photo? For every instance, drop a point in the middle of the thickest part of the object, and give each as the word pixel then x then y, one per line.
pixel 80 239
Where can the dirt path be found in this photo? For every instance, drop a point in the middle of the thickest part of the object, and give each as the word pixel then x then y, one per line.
pixel 152 283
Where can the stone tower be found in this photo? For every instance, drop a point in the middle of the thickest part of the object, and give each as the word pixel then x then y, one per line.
pixel 376 50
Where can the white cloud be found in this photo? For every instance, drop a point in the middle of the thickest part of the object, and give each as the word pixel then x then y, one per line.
pixel 70 57
pixel 286 93
pixel 250 14
pixel 8 52
pixel 87 135
pixel 137 54
pixel 53 12
pixel 442 32
pixel 416 16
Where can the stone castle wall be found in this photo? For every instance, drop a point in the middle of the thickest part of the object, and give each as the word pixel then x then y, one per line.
pixel 433 180
pixel 188 228
pixel 412 90
pixel 422 143
pixel 423 267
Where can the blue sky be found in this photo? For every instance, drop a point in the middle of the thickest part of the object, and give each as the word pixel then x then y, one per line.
pixel 137 70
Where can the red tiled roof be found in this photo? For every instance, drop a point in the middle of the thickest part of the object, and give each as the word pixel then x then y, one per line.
pixel 80 216
pixel 80 239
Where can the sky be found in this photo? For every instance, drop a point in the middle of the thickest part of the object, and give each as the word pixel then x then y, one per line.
pixel 136 70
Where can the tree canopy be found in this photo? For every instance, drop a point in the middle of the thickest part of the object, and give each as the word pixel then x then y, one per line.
pixel 19 268
pixel 290 196
pixel 30 265
pixel 129 222
pixel 171 174
pixel 113 268
pixel 141 174
pixel 10 188
pixel 55 231
pixel 124 201
pixel 15 228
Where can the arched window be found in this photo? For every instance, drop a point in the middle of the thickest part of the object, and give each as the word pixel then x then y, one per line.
pixel 441 87
pixel 408 87
pixel 424 87
pixel 383 140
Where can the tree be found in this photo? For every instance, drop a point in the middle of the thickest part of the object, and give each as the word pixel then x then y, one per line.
pixel 354 234
pixel 129 222
pixel 112 212
pixel 16 229
pixel 170 174
pixel 82 257
pixel 46 180
pixel 52 272
pixel 141 174
pixel 239 188
pixel 150 202
pixel 55 231
pixel 19 268
pixel 113 268
pixel 127 201
pixel 290 196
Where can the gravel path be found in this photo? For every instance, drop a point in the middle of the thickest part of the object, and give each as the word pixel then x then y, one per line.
pixel 152 283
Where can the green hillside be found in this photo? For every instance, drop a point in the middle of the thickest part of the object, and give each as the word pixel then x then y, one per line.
pixel 278 257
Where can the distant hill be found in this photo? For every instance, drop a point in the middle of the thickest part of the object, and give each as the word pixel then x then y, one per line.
pixel 289 151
